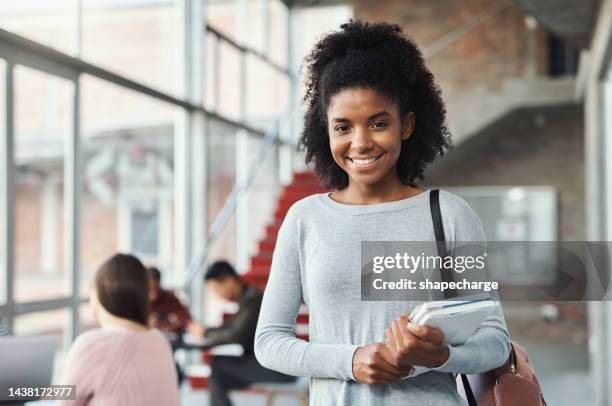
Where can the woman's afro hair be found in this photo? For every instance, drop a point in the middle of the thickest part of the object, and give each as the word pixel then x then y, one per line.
pixel 377 56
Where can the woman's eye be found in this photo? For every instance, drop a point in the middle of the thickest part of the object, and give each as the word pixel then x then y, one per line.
pixel 379 125
pixel 342 128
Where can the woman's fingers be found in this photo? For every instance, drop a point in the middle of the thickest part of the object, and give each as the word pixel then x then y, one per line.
pixel 387 362
pixel 414 344
pixel 427 333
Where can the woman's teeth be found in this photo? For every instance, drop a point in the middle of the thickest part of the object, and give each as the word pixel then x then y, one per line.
pixel 366 161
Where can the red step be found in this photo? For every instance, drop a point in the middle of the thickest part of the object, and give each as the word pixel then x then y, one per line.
pixel 300 190
pixel 302 318
pixel 306 175
pixel 272 229
pixel 258 270
pixel 264 258
pixel 256 277
pixel 267 244
pixel 198 382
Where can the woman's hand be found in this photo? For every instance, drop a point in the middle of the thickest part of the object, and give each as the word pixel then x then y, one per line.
pixel 373 364
pixel 411 344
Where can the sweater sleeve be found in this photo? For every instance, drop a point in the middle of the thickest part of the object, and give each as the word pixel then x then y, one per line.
pixel 78 371
pixel 489 346
pixel 276 345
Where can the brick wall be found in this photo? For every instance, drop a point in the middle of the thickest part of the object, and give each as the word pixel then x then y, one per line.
pixel 483 57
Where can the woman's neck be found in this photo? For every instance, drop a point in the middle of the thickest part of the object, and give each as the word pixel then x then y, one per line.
pixel 384 191
pixel 108 320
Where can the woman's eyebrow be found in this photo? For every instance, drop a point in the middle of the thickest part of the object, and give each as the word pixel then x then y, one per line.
pixel 378 115
pixel 340 120
pixel 372 117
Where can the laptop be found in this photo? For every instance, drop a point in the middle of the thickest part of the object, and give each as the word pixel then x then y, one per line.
pixel 26 361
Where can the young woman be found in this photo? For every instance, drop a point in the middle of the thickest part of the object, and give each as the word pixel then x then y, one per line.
pixel 123 362
pixel 374 119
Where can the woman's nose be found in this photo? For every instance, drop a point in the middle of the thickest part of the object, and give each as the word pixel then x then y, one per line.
pixel 362 139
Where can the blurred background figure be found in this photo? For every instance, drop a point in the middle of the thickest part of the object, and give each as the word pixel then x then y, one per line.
pixel 166 312
pixel 235 372
pixel 123 362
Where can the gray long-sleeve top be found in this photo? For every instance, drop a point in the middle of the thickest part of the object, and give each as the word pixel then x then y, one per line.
pixel 317 260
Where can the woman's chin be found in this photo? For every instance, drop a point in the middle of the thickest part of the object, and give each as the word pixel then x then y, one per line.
pixel 367 180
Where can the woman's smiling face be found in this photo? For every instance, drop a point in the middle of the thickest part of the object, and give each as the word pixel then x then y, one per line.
pixel 365 134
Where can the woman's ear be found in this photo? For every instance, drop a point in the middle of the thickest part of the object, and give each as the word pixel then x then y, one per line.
pixel 407 126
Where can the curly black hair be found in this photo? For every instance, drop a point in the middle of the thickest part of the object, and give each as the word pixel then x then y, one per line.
pixel 377 56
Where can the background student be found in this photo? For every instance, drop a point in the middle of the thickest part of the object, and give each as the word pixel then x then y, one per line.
pixel 232 372
pixel 122 362
pixel 166 311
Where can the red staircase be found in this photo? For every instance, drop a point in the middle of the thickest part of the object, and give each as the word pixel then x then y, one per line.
pixel 304 184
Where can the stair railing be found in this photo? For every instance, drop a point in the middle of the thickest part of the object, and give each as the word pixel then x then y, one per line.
pixel 197 264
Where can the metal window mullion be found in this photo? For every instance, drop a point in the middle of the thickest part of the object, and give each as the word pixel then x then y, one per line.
pixel 78 23
pixel 216 73
pixel 182 149
pixel 265 18
pixel 8 189
pixel 241 151
pixel 72 209
pixel 23 51
pixel 44 305
pixel 286 154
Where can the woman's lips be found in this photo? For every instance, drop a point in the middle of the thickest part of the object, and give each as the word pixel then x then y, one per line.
pixel 364 164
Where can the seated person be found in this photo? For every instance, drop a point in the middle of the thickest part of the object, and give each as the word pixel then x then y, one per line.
pixel 123 362
pixel 230 372
pixel 166 311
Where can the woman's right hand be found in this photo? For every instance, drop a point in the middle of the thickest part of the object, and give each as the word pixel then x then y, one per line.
pixel 372 364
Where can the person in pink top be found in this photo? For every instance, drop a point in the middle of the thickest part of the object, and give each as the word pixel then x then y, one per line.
pixel 123 362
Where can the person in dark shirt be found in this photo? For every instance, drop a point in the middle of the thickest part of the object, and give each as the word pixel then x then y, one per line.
pixel 230 372
pixel 166 311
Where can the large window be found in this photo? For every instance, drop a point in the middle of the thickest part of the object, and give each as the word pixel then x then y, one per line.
pixel 137 39
pixel 51 323
pixel 2 193
pixel 43 117
pixel 127 202
pixel 105 165
pixel 221 180
pixel 49 22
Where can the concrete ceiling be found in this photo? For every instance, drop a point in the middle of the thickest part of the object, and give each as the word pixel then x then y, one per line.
pixel 571 20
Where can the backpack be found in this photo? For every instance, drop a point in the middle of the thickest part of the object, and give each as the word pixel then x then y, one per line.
pixel 512 384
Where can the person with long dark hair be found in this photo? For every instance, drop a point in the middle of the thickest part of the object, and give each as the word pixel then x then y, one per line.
pixel 123 362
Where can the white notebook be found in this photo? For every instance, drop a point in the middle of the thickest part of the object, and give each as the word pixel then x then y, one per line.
pixel 458 319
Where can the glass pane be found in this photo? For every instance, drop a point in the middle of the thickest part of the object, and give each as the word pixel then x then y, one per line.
pixel 43 112
pixel 2 178
pixel 278 32
pixel 54 323
pixel 50 22
pixel 137 39
pixel 254 30
pixel 607 142
pixel 128 197
pixel 229 81
pixel 221 179
pixel 267 93
pixel 221 15
pixel 262 193
pixel 209 79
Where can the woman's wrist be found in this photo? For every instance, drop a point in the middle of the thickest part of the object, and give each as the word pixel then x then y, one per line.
pixel 444 356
